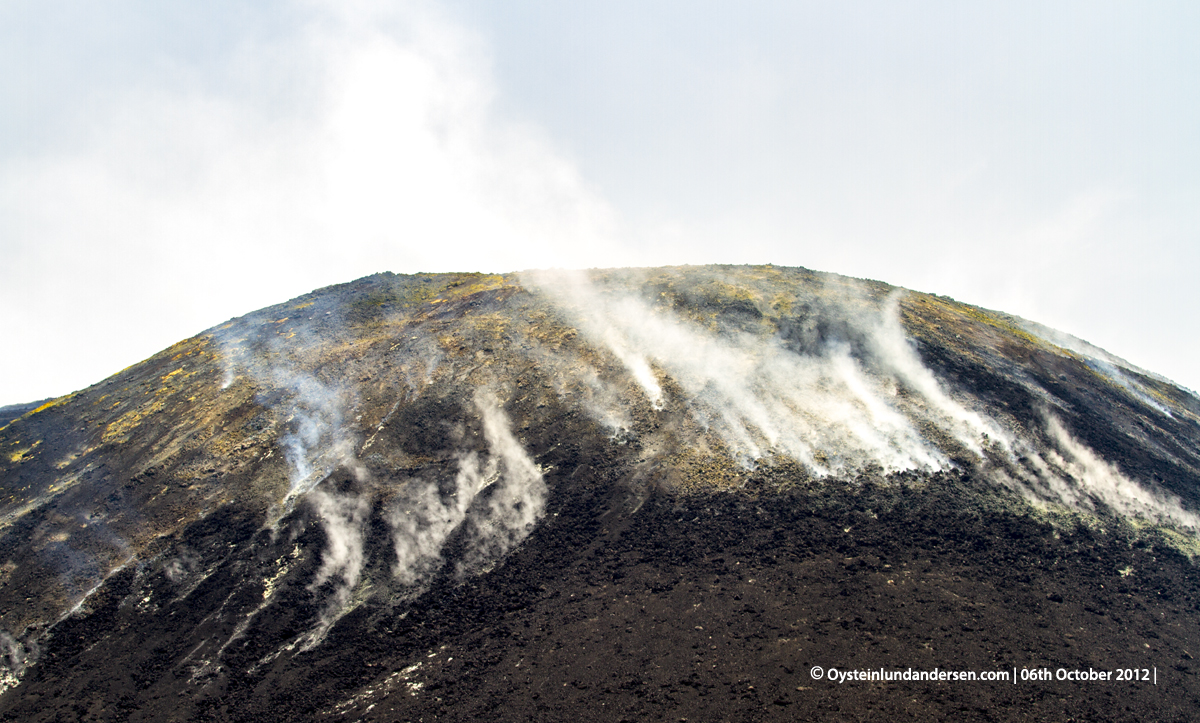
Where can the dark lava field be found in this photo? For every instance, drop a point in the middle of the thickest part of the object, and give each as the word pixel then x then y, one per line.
pixel 693 493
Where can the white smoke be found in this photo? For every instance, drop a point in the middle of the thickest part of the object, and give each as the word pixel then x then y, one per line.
pixel 320 440
pixel 517 502
pixel 324 141
pixel 1112 367
pixel 14 658
pixel 600 322
pixel 574 379
pixel 824 409
pixel 425 518
pixel 602 402
pixel 1075 476
pixel 860 399
pixel 421 524
pixel 889 341
pixel 1114 374
pixel 344 518
pixel 315 413
pixel 421 358
pixel 837 408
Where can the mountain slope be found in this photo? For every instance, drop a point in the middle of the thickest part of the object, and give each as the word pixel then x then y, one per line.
pixel 655 491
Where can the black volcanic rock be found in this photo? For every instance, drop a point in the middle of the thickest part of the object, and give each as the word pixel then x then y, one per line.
pixel 615 495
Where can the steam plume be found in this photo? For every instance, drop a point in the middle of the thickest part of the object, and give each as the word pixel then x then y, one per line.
pixel 426 517
pixel 343 516
pixel 841 402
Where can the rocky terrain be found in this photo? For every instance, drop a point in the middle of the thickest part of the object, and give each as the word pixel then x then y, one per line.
pixel 635 494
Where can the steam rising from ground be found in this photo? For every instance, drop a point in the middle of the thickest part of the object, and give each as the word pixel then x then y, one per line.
pixel 493 503
pixel 315 413
pixel 837 386
pixel 830 380
pixel 1067 473
pixel 491 523
pixel 319 442
pixel 344 517
pixel 838 403
pixel 13 659
pixel 834 409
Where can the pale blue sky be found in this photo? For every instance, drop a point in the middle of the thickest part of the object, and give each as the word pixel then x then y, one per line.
pixel 165 166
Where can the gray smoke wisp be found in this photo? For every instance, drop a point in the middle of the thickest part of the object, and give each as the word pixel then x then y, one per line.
pixel 496 520
pixel 319 440
pixel 576 380
pixel 421 358
pixel 14 658
pixel 315 412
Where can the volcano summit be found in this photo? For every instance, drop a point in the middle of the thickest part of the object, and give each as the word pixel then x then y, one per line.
pixel 701 493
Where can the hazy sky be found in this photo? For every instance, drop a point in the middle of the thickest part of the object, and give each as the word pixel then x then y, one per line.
pixel 165 166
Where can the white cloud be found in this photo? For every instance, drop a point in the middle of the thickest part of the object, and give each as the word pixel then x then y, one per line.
pixel 179 207
pixel 162 169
